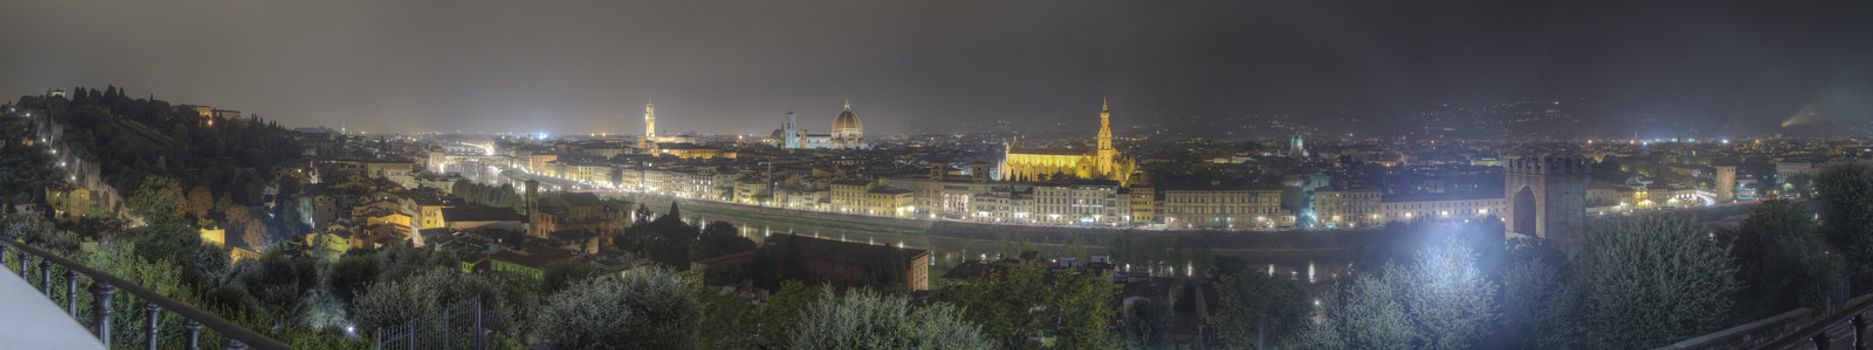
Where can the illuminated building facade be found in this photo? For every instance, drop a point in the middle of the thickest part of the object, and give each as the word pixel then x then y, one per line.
pixel 1042 164
pixel 1726 183
pixel 847 132
pixel 650 127
pixel 1090 203
pixel 1223 208
pixel 1358 207
pixel 790 135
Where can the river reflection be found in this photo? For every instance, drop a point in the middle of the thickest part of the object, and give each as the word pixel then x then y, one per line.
pixel 947 252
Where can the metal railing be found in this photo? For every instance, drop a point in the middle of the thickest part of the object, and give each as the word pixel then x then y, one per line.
pixel 1847 326
pixel 104 286
pixel 458 326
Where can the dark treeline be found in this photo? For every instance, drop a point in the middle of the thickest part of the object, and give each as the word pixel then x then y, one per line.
pixel 139 137
pixel 503 196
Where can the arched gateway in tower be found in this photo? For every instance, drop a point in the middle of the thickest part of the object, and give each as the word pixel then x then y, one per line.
pixel 1547 196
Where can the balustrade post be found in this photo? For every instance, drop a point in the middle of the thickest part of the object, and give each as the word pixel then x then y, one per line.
pixel 1820 340
pixel 101 303
pixel 1859 331
pixel 45 277
pixel 480 343
pixel 149 329
pixel 195 333
pixel 234 344
pixel 19 256
pixel 446 332
pixel 71 291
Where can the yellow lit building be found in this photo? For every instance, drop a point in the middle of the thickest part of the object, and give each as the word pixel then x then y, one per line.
pixel 215 236
pixel 537 163
pixel 890 201
pixel 1223 207
pixel 693 151
pixel 1144 205
pixel 849 195
pixel 431 216
pixel 1100 163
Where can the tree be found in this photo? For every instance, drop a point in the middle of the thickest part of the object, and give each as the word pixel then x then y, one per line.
pixel 157 198
pixel 1001 302
pixel 252 231
pixel 1442 300
pixel 645 309
pixel 1259 310
pixel 171 241
pixel 1083 301
pixel 280 279
pixel 563 273
pixel 1448 297
pixel 1368 314
pixel 1148 325
pixel 777 323
pixel 25 169
pixel 1845 202
pixel 666 240
pixel 1782 260
pixel 1536 305
pixel 1649 280
pixel 200 202
pixel 867 319
pixel 352 274
pixel 115 257
pixel 727 321
pixel 399 297
pixel 1005 302
pixel 718 240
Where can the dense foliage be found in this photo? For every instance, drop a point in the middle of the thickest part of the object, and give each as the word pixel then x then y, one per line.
pixel 1022 302
pixel 1845 202
pixel 1259 309
pixel 1783 260
pixel 142 137
pixel 26 165
pixel 866 319
pixel 1652 280
pixel 647 309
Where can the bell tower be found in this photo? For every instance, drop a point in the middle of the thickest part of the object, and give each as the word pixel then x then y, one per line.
pixel 650 126
pixel 1105 153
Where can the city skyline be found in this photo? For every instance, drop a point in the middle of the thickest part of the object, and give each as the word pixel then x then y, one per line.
pixel 573 68
pixel 972 174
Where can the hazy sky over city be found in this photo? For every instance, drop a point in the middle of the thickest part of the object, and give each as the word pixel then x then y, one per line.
pixel 738 66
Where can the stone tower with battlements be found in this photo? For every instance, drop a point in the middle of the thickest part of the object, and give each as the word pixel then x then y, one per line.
pixel 1546 196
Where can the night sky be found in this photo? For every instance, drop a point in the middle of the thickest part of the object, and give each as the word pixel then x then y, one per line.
pixel 738 66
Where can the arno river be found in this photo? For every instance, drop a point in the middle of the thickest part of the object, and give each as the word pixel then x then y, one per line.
pixel 953 243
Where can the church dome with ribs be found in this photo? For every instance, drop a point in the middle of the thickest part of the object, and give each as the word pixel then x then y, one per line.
pixel 846 120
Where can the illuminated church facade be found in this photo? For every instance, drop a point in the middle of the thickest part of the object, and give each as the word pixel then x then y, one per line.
pixel 1053 164
pixel 847 133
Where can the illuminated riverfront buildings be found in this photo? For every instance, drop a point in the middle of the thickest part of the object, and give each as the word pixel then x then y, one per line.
pixel 1040 164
